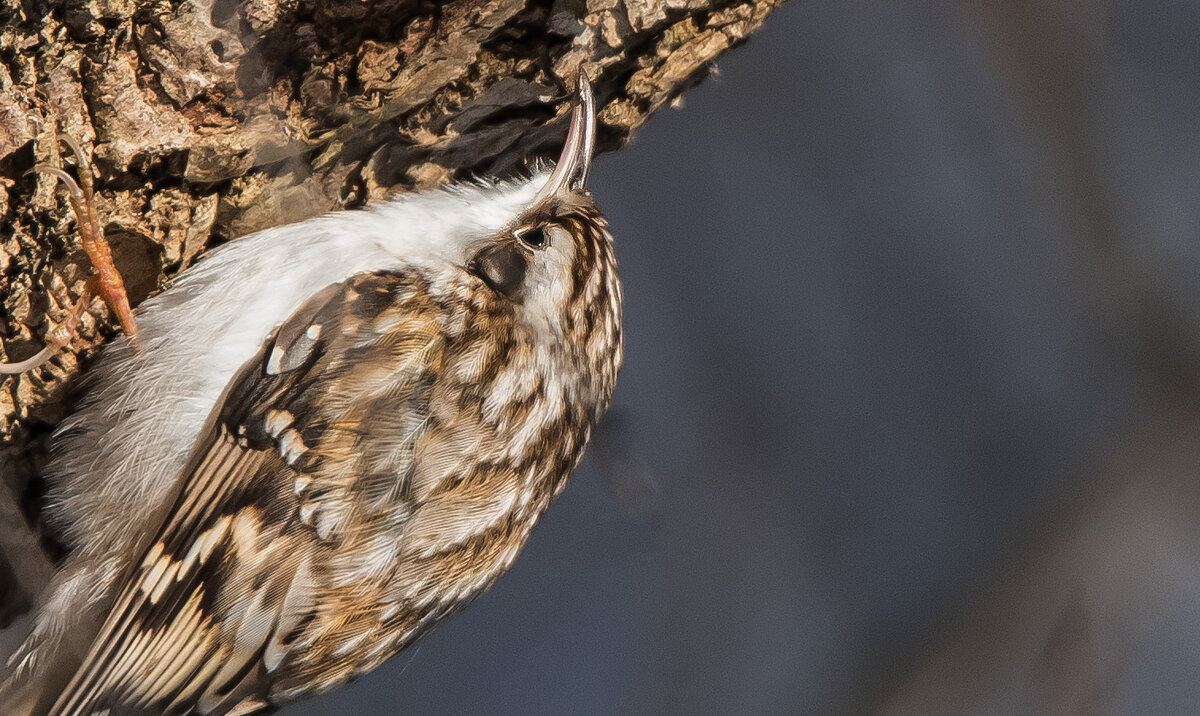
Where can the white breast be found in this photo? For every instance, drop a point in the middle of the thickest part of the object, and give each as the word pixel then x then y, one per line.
pixel 119 455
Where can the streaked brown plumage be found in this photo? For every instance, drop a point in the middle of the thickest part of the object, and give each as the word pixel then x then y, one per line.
pixel 377 464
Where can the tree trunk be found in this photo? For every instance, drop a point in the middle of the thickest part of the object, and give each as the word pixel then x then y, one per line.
pixel 209 119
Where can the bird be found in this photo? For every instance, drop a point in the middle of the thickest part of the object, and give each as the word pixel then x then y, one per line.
pixel 329 436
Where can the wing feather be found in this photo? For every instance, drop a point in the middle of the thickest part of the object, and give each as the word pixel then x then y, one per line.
pixel 222 591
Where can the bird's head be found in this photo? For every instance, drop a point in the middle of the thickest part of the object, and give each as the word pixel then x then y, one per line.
pixel 555 261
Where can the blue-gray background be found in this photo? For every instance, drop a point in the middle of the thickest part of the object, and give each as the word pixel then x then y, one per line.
pixel 913 331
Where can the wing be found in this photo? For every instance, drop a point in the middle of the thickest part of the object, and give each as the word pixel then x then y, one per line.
pixel 285 472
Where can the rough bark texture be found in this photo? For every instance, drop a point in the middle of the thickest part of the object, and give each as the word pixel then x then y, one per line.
pixel 209 119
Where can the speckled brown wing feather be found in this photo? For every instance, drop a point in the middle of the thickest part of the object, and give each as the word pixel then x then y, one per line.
pixel 292 466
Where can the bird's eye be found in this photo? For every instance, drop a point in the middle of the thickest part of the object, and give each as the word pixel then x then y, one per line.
pixel 534 238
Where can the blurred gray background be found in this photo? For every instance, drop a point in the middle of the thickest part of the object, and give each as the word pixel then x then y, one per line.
pixel 908 422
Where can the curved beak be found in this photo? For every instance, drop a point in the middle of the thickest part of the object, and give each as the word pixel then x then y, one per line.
pixel 572 169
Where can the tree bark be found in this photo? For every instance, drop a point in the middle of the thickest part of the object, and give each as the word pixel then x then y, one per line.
pixel 210 119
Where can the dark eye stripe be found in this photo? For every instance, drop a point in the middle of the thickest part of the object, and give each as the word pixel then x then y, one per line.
pixel 502 266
